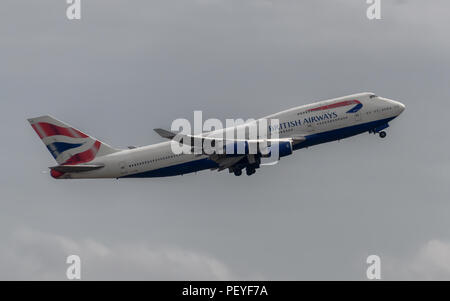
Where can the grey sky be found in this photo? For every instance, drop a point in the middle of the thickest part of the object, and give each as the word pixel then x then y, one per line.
pixel 127 68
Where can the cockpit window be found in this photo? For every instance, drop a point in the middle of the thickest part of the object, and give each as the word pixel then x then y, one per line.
pixel 372 96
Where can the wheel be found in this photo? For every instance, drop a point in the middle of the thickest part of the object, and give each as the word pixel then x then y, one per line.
pixel 238 172
pixel 250 171
pixel 382 134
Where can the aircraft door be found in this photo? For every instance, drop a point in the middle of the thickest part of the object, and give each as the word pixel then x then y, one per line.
pixel 310 127
pixel 123 167
pixel 357 116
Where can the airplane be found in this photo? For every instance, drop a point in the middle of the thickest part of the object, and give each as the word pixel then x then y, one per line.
pixel 80 156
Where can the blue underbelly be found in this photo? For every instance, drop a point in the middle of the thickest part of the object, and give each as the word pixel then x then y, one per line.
pixel 177 169
pixel 341 133
pixel 313 139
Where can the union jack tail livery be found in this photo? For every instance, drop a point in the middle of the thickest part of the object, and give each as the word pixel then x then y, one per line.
pixel 68 145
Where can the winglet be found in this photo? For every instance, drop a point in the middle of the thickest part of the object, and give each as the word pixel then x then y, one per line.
pixel 165 134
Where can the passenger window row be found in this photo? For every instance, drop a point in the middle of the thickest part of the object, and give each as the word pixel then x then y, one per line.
pixel 153 160
pixel 303 112
pixel 332 120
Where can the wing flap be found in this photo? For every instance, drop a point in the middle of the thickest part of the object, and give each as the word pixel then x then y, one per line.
pixel 224 161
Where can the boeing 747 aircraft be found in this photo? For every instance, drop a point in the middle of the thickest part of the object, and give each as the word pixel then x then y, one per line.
pixel 81 156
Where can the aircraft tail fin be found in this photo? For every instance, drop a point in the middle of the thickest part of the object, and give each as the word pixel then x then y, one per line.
pixel 68 145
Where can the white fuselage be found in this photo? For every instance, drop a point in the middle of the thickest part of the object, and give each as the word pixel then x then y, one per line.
pixel 318 122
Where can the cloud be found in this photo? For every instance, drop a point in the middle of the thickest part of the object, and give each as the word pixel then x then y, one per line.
pixel 34 255
pixel 125 69
pixel 430 262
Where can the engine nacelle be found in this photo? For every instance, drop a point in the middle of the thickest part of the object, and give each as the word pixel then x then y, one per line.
pixel 284 149
pixel 245 147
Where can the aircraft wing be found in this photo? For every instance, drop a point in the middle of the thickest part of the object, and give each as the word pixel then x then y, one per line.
pixel 224 160
pixel 165 133
pixel 184 138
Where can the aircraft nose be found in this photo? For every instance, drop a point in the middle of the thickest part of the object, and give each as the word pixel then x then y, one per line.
pixel 398 105
pixel 401 107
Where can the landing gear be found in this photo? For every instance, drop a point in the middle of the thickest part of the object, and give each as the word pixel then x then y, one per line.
pixel 250 170
pixel 250 166
pixel 382 134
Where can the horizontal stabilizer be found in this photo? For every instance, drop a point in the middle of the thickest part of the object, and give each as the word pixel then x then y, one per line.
pixel 75 168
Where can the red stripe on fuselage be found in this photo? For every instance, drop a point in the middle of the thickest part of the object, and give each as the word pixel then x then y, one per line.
pixel 86 156
pixel 47 130
pixel 336 105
